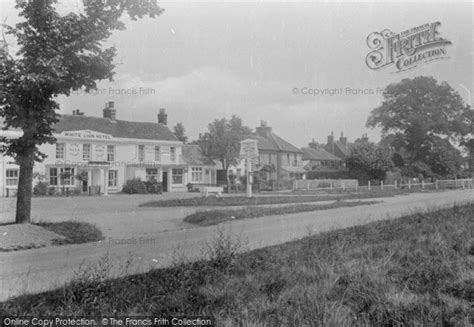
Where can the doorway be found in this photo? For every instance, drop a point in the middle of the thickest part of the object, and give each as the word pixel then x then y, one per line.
pixel 165 181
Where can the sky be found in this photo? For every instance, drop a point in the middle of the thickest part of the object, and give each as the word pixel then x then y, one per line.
pixel 259 60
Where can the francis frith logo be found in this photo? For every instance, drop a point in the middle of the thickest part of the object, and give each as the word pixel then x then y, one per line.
pixel 407 49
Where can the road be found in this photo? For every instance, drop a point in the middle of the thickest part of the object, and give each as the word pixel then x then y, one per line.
pixel 36 270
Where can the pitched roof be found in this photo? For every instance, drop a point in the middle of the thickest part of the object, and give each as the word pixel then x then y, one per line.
pixel 116 128
pixel 274 143
pixel 318 154
pixel 193 155
pixel 338 144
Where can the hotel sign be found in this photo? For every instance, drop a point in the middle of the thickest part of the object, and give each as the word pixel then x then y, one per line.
pixel 87 134
pixel 249 149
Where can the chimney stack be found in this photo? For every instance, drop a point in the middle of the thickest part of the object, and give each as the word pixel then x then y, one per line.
pixel 331 142
pixel 343 139
pixel 162 117
pixel 263 130
pixel 109 110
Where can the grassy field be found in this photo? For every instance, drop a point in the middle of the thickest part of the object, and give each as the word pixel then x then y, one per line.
pixel 74 232
pixel 214 217
pixel 414 271
pixel 301 197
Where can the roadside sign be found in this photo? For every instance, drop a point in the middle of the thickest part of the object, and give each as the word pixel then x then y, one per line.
pixel 249 149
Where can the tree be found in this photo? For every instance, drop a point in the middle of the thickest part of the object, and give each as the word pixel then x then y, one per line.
pixel 57 54
pixel 444 159
pixel 415 111
pixel 179 131
pixel 222 141
pixel 369 161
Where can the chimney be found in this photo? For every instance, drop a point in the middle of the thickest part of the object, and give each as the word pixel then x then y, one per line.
pixel 343 139
pixel 162 117
pixel 365 138
pixel 109 110
pixel 263 130
pixel 331 142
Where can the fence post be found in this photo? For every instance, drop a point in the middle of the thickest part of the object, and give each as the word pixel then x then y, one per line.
pixel 368 185
pixel 409 184
pixel 381 185
pixel 330 185
pixel 436 184
pixel 357 186
pixel 343 185
pixel 422 184
pixel 395 184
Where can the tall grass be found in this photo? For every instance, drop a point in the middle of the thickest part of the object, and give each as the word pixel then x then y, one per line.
pixel 414 271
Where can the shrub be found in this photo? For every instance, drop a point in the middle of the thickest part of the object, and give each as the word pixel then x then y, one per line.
pixel 153 187
pixel 134 186
pixel 41 189
pixel 315 174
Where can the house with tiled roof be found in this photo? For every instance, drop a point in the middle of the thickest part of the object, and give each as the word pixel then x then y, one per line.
pixel 316 158
pixel 201 171
pixel 339 148
pixel 99 154
pixel 278 159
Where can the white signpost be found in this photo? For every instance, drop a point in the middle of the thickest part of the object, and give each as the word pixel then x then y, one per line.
pixel 249 151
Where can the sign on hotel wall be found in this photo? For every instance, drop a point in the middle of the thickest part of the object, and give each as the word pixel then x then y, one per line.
pixel 87 134
pixel 73 151
pixel 100 152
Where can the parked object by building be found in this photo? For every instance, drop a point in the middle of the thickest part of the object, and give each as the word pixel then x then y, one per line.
pixel 99 154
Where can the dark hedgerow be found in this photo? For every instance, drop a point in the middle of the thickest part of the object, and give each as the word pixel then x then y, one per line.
pixel 411 271
pixel 75 232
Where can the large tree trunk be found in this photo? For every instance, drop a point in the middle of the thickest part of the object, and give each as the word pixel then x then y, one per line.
pixel 25 182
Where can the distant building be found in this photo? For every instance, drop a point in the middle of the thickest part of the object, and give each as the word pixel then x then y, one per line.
pixel 339 148
pixel 278 159
pixel 320 159
pixel 201 171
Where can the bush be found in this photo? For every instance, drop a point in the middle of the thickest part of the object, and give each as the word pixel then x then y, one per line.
pixel 316 174
pixel 134 186
pixel 41 189
pixel 153 187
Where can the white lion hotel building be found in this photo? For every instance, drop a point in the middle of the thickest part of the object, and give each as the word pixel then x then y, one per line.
pixel 107 152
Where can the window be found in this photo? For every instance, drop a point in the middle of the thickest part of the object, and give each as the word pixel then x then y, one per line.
pixel 53 176
pixel 11 177
pixel 112 178
pixel 67 176
pixel 157 153
pixel 269 158
pixel 151 174
pixel 295 162
pixel 59 150
pixel 288 158
pixel 177 176
pixel 141 153
pixel 172 154
pixel 86 152
pixel 196 174
pixel 110 153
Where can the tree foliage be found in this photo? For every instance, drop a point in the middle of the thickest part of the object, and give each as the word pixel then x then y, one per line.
pixel 369 161
pixel 57 54
pixel 415 111
pixel 222 141
pixel 180 132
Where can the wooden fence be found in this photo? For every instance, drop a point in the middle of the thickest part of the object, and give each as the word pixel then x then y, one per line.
pixel 352 184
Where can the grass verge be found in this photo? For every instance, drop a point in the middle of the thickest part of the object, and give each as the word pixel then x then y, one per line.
pixel 212 201
pixel 412 271
pixel 214 217
pixel 74 232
